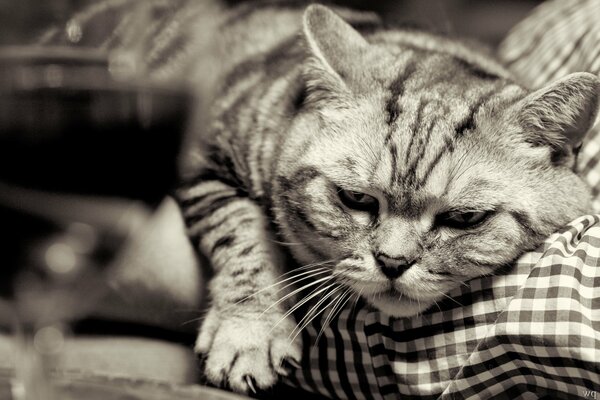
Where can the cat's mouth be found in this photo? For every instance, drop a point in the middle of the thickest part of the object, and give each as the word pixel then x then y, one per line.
pixel 398 304
pixel 391 298
pixel 399 296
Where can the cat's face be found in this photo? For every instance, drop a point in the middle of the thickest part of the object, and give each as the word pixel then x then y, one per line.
pixel 410 188
pixel 406 224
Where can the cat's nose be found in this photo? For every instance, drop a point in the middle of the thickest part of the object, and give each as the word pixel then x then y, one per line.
pixel 392 267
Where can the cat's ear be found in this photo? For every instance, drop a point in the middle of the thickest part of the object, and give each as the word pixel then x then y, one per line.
pixel 335 48
pixel 560 114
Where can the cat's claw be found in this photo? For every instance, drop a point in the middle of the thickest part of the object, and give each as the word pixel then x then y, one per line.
pixel 249 382
pixel 293 363
pixel 246 354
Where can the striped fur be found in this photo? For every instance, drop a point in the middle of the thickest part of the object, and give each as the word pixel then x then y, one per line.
pixel 297 107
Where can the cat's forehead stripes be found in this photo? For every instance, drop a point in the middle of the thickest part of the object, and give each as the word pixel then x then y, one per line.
pixel 428 129
pixel 426 78
pixel 396 89
pixel 423 165
pixel 435 115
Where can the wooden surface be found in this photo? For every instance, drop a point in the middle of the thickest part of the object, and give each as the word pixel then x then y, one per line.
pixel 99 389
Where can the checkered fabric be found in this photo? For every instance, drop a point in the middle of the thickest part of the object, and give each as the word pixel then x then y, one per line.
pixel 531 333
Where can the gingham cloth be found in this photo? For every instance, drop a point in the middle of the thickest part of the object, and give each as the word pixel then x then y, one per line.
pixel 532 333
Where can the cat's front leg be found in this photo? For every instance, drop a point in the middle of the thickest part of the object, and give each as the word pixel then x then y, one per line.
pixel 245 337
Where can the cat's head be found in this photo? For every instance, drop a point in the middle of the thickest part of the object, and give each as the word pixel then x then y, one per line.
pixel 412 168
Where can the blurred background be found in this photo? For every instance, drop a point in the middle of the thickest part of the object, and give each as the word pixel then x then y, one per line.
pixel 487 20
pixel 24 21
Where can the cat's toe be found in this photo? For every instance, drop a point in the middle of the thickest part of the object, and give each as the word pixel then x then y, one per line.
pixel 207 334
pixel 251 371
pixel 247 355
pixel 261 368
pixel 285 355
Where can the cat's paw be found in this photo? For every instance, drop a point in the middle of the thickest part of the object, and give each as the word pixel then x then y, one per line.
pixel 246 353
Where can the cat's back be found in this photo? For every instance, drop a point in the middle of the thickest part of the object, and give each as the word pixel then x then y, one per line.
pixel 203 42
pixel 229 39
pixel 251 34
pixel 244 36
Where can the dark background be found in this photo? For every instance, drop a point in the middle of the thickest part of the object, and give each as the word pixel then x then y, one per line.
pixel 485 20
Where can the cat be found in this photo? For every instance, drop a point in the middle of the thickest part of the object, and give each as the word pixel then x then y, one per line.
pixel 393 165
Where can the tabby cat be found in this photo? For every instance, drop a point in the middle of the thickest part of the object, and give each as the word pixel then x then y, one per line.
pixel 393 165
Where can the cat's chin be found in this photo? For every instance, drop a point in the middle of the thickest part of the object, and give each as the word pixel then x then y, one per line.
pixel 399 307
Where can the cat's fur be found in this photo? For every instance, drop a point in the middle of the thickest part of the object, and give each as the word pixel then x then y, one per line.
pixel 300 109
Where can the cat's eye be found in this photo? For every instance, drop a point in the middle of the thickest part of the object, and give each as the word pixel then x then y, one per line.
pixel 462 220
pixel 358 201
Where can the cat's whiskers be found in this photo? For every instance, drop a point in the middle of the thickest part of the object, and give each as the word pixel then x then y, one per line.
pixel 306 266
pixel 357 299
pixel 461 282
pixel 306 275
pixel 302 273
pixel 315 267
pixel 451 298
pixel 456 167
pixel 313 312
pixel 294 281
pixel 317 313
pixel 366 147
pixel 296 291
pixel 200 318
pixel 302 302
pixel 337 307
pixel 296 273
pixel 286 243
pixel 465 170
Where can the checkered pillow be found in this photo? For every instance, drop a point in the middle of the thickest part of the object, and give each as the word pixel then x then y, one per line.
pixel 532 333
